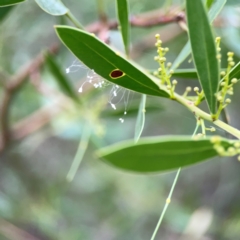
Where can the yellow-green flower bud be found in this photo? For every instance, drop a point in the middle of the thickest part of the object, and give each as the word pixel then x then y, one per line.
pixel 174 82
pixel 169 64
pixel 231 150
pixel 215 139
pixel 162 59
pixel 237 144
pixel 212 129
pixel 196 89
pixel 228 100
pixel 234 80
pixel 188 89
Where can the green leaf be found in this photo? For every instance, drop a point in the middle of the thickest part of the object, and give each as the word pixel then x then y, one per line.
pixel 209 3
pixel 107 63
pixel 192 73
pixel 235 72
pixel 4 11
pixel 62 80
pixel 123 16
pixel 204 51
pixel 216 9
pixel 53 7
pixel 140 118
pixel 158 154
pixel 4 3
pixel 182 55
pixel 185 73
pixel 152 106
pixel 213 12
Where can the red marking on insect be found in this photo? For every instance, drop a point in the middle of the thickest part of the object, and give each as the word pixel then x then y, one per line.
pixel 116 73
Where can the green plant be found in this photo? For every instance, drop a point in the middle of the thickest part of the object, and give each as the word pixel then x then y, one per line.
pixel 155 154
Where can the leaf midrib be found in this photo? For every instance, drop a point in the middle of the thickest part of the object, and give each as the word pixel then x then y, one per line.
pixel 117 67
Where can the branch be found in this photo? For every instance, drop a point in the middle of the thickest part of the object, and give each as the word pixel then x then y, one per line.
pixel 12 232
pixel 11 88
pixel 145 20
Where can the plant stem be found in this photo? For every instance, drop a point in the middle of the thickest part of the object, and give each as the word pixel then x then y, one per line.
pixel 168 200
pixel 199 113
pixel 101 10
pixel 74 20
pixel 80 152
pixel 203 127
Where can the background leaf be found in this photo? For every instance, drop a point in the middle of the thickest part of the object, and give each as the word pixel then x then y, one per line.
pixel 159 153
pixel 213 12
pixel 61 79
pixel 204 51
pixel 4 11
pixel 216 9
pixel 123 17
pixel 140 118
pixel 235 72
pixel 53 7
pixel 152 106
pixel 191 73
pixel 182 55
pixel 209 3
pixel 186 73
pixel 4 3
pixel 98 56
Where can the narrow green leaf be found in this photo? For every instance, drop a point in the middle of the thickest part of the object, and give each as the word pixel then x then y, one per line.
pixel 123 18
pixel 204 51
pixel 4 12
pixel 216 9
pixel 191 73
pixel 182 55
pixel 140 118
pixel 62 80
pixel 53 7
pixel 185 73
pixel 107 63
pixel 235 72
pixel 83 144
pixel 152 106
pixel 4 3
pixel 212 14
pixel 158 154
pixel 209 3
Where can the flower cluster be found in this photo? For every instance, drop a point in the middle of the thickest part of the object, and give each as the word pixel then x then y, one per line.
pixel 164 72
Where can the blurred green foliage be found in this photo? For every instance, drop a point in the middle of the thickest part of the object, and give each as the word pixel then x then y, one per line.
pixel 102 202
